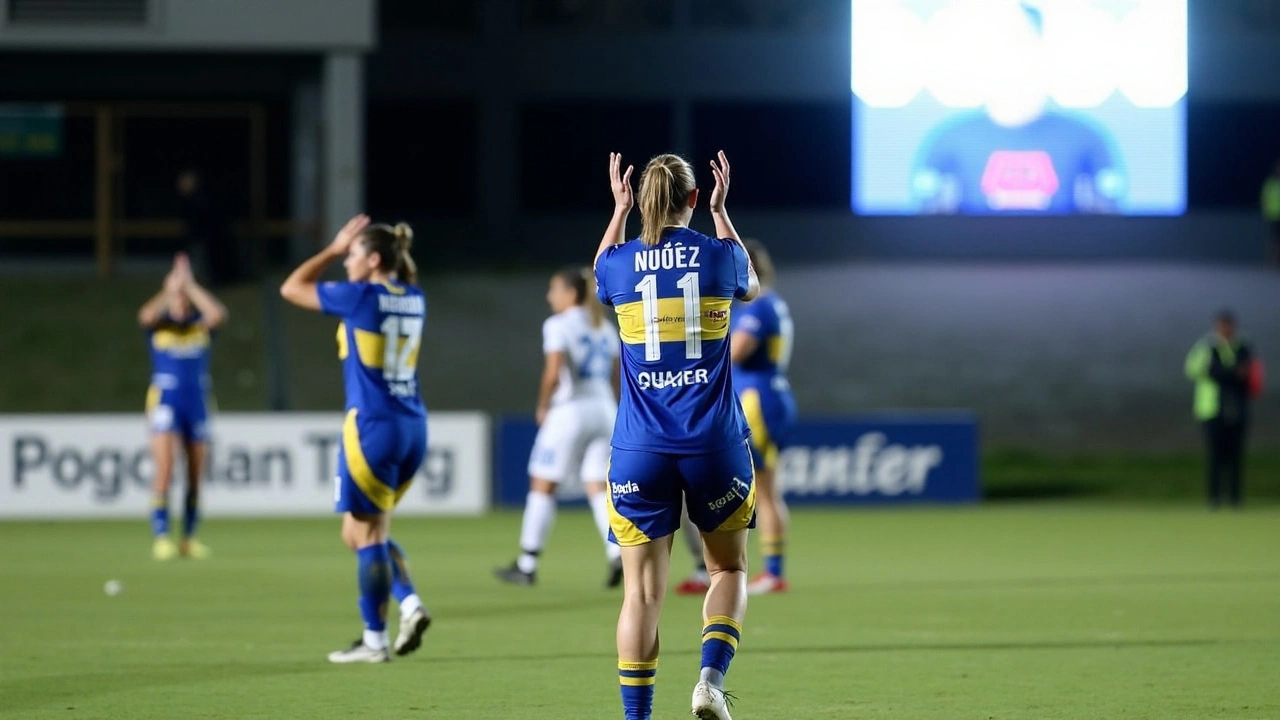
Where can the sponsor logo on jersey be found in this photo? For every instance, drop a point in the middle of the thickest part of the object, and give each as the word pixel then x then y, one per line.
pixel 625 488
pixel 738 492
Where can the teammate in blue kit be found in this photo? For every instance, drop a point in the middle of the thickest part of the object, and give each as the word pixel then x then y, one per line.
pixel 760 342
pixel 384 437
pixel 680 431
pixel 180 323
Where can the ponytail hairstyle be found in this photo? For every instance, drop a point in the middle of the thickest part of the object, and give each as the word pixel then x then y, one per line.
pixel 761 261
pixel 392 243
pixel 582 281
pixel 665 185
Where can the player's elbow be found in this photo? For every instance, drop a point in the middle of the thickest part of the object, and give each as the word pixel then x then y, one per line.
pixel 217 317
pixel 753 288
pixel 291 291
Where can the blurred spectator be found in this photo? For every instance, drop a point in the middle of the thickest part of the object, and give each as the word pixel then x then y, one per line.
pixel 1271 213
pixel 206 235
pixel 1220 365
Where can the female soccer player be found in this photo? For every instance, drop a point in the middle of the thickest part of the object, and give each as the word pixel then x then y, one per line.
pixel 576 410
pixel 179 321
pixel 760 344
pixel 384 437
pixel 680 432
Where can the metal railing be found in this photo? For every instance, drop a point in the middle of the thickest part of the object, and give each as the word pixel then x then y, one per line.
pixel 108 227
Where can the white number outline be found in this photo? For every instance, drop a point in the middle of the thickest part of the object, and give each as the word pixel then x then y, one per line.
pixel 692 292
pixel 401 337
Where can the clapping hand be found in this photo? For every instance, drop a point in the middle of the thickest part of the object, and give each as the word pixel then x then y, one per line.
pixel 721 173
pixel 623 197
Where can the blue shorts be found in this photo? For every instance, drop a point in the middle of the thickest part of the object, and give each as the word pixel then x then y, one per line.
pixel 647 492
pixel 377 461
pixel 183 413
pixel 771 415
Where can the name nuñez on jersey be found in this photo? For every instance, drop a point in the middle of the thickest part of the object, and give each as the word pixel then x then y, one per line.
pixel 667 257
pixel 402 304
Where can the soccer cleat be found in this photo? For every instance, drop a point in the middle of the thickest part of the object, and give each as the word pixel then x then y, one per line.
pixel 614 579
pixel 193 548
pixel 709 703
pixel 765 583
pixel 515 575
pixel 412 629
pixel 696 584
pixel 163 548
pixel 359 653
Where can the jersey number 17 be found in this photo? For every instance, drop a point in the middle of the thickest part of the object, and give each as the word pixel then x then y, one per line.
pixel 401 337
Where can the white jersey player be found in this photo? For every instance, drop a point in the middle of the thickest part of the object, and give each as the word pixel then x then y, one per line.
pixel 577 405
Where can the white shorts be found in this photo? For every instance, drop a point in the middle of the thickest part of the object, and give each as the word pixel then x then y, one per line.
pixel 573 442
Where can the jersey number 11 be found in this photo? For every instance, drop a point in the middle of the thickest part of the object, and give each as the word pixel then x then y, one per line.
pixel 648 289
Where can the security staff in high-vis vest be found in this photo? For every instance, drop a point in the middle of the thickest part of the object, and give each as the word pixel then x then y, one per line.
pixel 1219 365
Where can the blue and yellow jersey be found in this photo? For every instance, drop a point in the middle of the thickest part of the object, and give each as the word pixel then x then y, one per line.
pixel 673 305
pixel 761 378
pixel 768 320
pixel 180 357
pixel 378 342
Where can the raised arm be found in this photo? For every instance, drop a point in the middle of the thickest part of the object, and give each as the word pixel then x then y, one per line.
pixel 301 287
pixel 213 312
pixel 623 200
pixel 724 226
pixel 152 310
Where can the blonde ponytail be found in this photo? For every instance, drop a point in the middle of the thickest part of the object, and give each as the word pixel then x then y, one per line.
pixel 665 185
pixel 406 268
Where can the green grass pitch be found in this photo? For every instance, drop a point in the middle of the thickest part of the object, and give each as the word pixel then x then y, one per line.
pixel 1079 612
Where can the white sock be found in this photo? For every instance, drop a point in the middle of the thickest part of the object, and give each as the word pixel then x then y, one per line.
pixel 712 677
pixel 375 639
pixel 693 540
pixel 539 516
pixel 409 605
pixel 600 511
